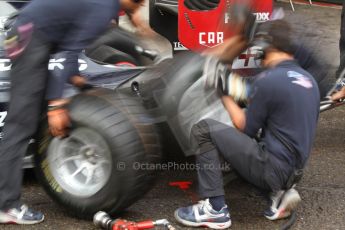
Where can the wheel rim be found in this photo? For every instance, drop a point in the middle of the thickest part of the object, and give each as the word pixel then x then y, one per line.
pixel 80 163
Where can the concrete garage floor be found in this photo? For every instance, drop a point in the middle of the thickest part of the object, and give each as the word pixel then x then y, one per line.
pixel 322 188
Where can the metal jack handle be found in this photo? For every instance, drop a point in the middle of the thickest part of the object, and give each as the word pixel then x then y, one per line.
pixel 164 222
pixel 102 220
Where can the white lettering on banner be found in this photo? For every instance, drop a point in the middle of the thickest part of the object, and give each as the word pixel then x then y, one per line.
pixel 179 46
pixel 2 118
pixel 58 63
pixel 211 39
pixel 5 65
pixel 260 17
pixel 226 18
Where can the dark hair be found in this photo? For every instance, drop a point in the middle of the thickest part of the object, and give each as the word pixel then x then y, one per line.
pixel 277 34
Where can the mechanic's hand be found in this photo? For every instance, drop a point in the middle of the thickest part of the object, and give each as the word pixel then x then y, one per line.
pixel 78 81
pixel 141 25
pixel 81 83
pixel 58 118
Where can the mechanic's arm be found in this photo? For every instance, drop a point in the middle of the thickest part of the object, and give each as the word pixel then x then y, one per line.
pixel 235 112
pixel 87 29
pixel 254 118
pixel 261 102
pixel 57 114
pixel 140 23
pixel 56 83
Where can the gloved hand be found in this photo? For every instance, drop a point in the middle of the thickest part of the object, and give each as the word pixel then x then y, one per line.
pixel 215 74
pixel 58 119
pixel 238 87
pixel 218 76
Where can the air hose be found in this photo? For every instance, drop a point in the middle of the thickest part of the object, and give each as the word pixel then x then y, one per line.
pixel 291 221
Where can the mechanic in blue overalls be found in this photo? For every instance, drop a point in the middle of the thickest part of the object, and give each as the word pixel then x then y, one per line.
pixel 42 28
pixel 284 108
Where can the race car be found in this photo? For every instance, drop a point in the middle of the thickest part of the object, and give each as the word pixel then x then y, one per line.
pixel 120 127
pixel 117 127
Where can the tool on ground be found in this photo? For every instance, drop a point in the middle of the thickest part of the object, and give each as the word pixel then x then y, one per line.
pixel 103 220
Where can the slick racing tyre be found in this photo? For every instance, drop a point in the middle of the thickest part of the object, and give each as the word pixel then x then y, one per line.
pixel 99 165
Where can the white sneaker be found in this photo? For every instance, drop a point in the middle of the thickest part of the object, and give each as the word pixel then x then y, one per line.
pixel 21 215
pixel 203 215
pixel 282 203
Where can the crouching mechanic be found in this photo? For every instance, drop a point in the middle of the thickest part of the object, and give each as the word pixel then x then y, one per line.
pixel 42 28
pixel 284 105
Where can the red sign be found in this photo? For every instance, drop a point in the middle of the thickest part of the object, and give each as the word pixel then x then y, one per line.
pixel 204 23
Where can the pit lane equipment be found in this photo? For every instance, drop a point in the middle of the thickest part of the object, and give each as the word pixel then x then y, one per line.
pixel 102 220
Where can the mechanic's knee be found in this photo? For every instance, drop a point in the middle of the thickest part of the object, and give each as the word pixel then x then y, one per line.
pixel 201 140
pixel 207 157
pixel 200 129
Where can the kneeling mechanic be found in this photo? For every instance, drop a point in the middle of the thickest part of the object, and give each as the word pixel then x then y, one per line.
pixel 284 105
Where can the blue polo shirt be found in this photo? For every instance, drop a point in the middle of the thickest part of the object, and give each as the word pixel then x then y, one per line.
pixel 286 99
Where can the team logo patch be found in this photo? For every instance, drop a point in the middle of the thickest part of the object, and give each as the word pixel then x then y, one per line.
pixel 300 79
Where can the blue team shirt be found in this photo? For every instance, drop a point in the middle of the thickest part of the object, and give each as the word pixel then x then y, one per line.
pixel 285 98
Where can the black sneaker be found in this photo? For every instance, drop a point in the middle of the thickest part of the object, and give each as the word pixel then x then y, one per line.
pixel 282 203
pixel 21 215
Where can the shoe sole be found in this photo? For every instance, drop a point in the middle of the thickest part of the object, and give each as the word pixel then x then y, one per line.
pixel 5 219
pixel 203 224
pixel 290 204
